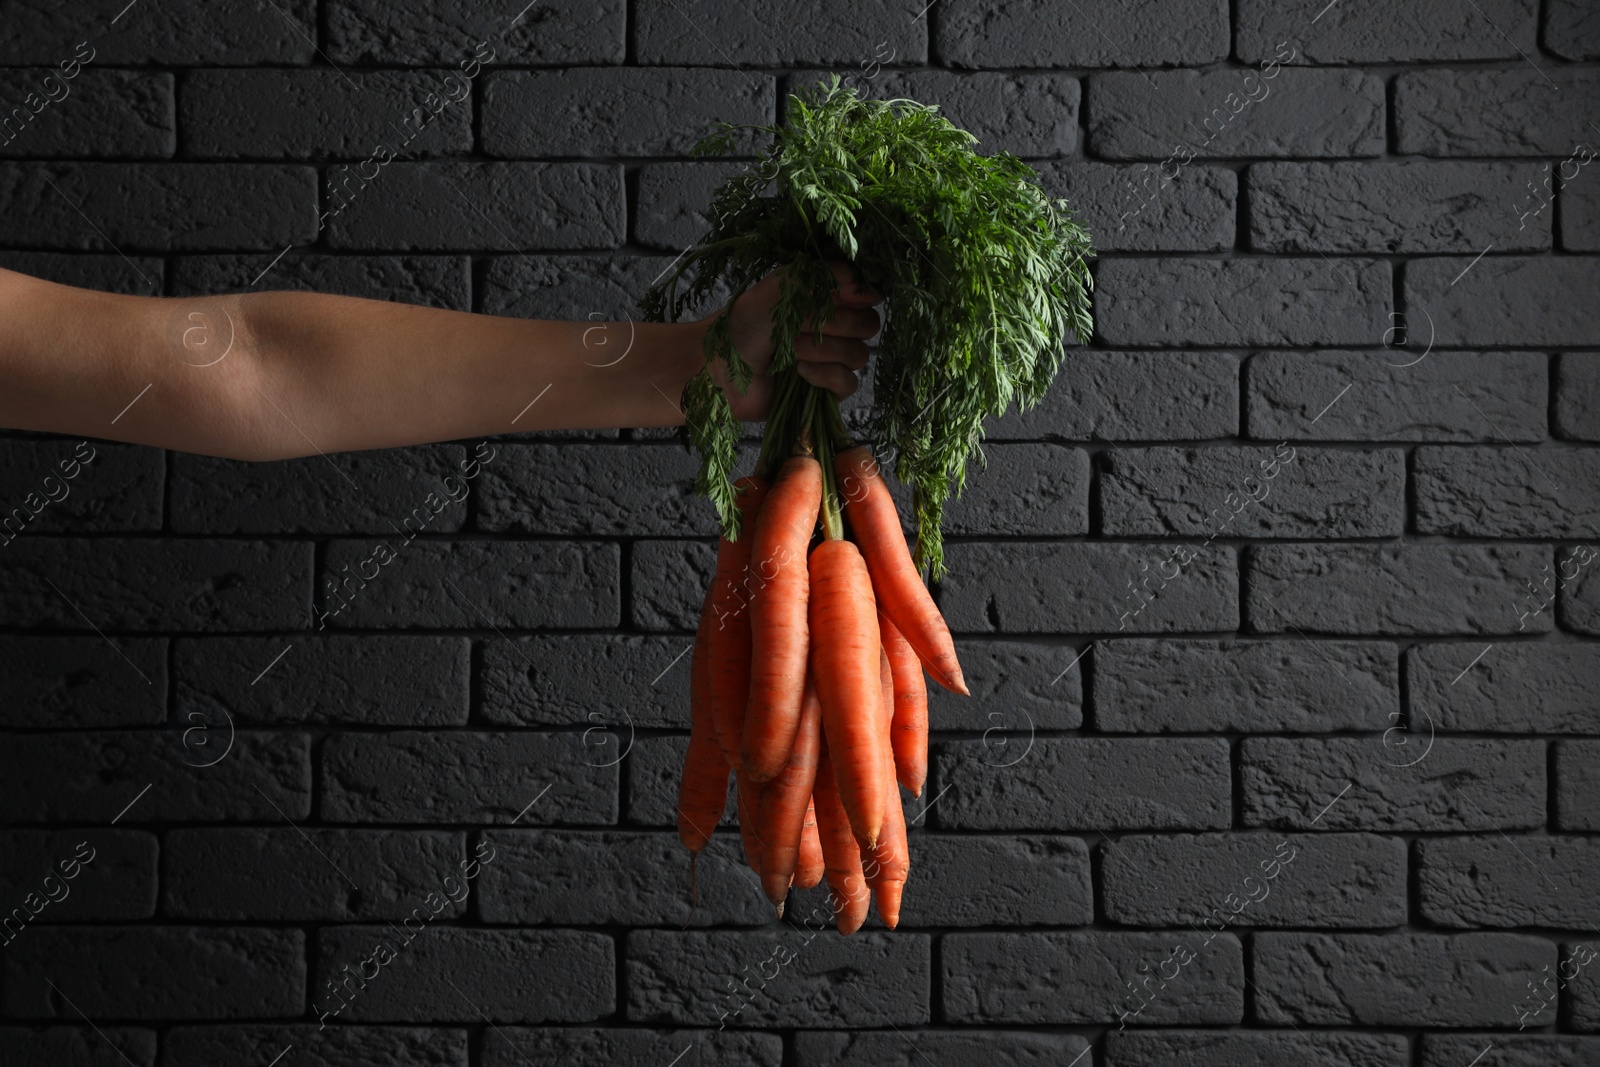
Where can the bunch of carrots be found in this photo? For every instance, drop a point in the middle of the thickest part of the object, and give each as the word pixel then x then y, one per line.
pixel 806 684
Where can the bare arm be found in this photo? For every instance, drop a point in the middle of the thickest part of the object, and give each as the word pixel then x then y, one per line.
pixel 278 374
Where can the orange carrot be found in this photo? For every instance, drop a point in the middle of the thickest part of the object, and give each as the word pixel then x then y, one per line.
pixel 845 661
pixel 808 871
pixel 784 801
pixel 703 789
pixel 908 732
pixel 729 651
pixel 887 864
pixel 778 635
pixel 841 854
pixel 745 804
pixel 895 579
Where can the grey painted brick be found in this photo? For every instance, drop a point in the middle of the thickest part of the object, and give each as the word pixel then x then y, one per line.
pixel 82 1046
pixel 1509 1050
pixel 159 206
pixel 465 777
pixel 314 1046
pixel 1077 588
pixel 127 972
pixel 92 776
pixel 66 486
pixel 471 584
pixel 1123 396
pixel 1084 783
pixel 154 584
pixel 1015 686
pixel 1142 208
pixel 1352 33
pixel 1515 111
pixel 653 767
pixel 1584 1012
pixel 1577 392
pixel 773 34
pixel 434 281
pixel 593 288
pixel 822 980
pixel 1404 207
pixel 452 974
pixel 75 875
pixel 1577 791
pixel 1389 589
pixel 1376 783
pixel 599 111
pixel 1024 490
pixel 364 681
pixel 1520 688
pixel 1406 393
pixel 1572 29
pixel 1233 114
pixel 1398 979
pixel 1242 1048
pixel 1507 492
pixel 1224 491
pixel 1325 880
pixel 622 878
pixel 406 32
pixel 674 199
pixel 1081 978
pixel 325 114
pixel 998 880
pixel 1127 33
pixel 232 32
pixel 941 1048
pixel 611 684
pixel 1176 302
pixel 1579 224
pixel 630 1048
pixel 111 273
pixel 294 874
pixel 1187 686
pixel 114 113
pixel 72 682
pixel 1511 300
pixel 501 207
pixel 669 583
pixel 1577 591
pixel 593 489
pixel 1501 881
pixel 421 489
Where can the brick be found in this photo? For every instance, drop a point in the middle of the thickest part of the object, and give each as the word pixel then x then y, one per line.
pixel 1223 491
pixel 1231 114
pixel 669 580
pixel 1080 978
pixel 1242 1048
pixel 297 875
pixel 653 767
pixel 629 1048
pixel 1140 208
pixel 1422 32
pixel 822 980
pixel 1084 588
pixel 66 486
pixel 1506 300
pixel 549 878
pixel 1121 396
pixel 1572 30
pixel 1130 33
pixel 498 207
pixel 75 875
pixel 433 281
pixel 314 1046
pixel 673 201
pixel 998 880
pixel 599 111
pixel 1518 688
pixel 77 682
pixel 1585 1005
pixel 82 1046
pixel 520 976
pixel 616 681
pixel 769 33
pixel 1577 396
pixel 1325 880
pixel 137 275
pixel 159 206
pixel 1578 224
pixel 230 33
pixel 1501 881
pixel 1577 786
pixel 593 489
pixel 1177 302
pixel 1389 589
pixel 1509 1050
pixel 869 1048
pixel 1506 492
pixel 325 114
pixel 1072 783
pixel 593 288
pixel 464 777
pixel 1024 490
pixel 1396 979
pixel 115 114
pixel 1015 686
pixel 1515 111
pixel 1577 592
pixel 361 681
pixel 1194 686
pixel 126 972
pixel 407 34
pixel 1399 394
pixel 1403 207
pixel 471 584
pixel 94 776
pixel 1456 784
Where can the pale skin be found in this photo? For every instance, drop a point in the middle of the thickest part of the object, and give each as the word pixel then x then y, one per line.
pixel 278 375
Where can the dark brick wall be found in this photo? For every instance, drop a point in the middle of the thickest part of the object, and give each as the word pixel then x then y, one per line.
pixel 1279 612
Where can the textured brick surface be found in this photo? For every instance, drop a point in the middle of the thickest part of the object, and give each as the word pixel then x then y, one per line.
pixel 872 1048
pixel 1120 396
pixel 1032 33
pixel 90 1046
pixel 1141 208
pixel 1345 33
pixel 1494 492
pixel 770 33
pixel 80 874
pixel 403 31
pixel 1515 300
pixel 1515 688
pixel 1506 112
pixel 116 114
pixel 78 681
pixel 1212 1048
pixel 1482 881
pixel 329 1046
pixel 1577 792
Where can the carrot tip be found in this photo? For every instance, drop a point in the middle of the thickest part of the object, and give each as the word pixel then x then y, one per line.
pixel 780 909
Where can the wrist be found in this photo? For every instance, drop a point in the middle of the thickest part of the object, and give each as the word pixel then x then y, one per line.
pixel 666 355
